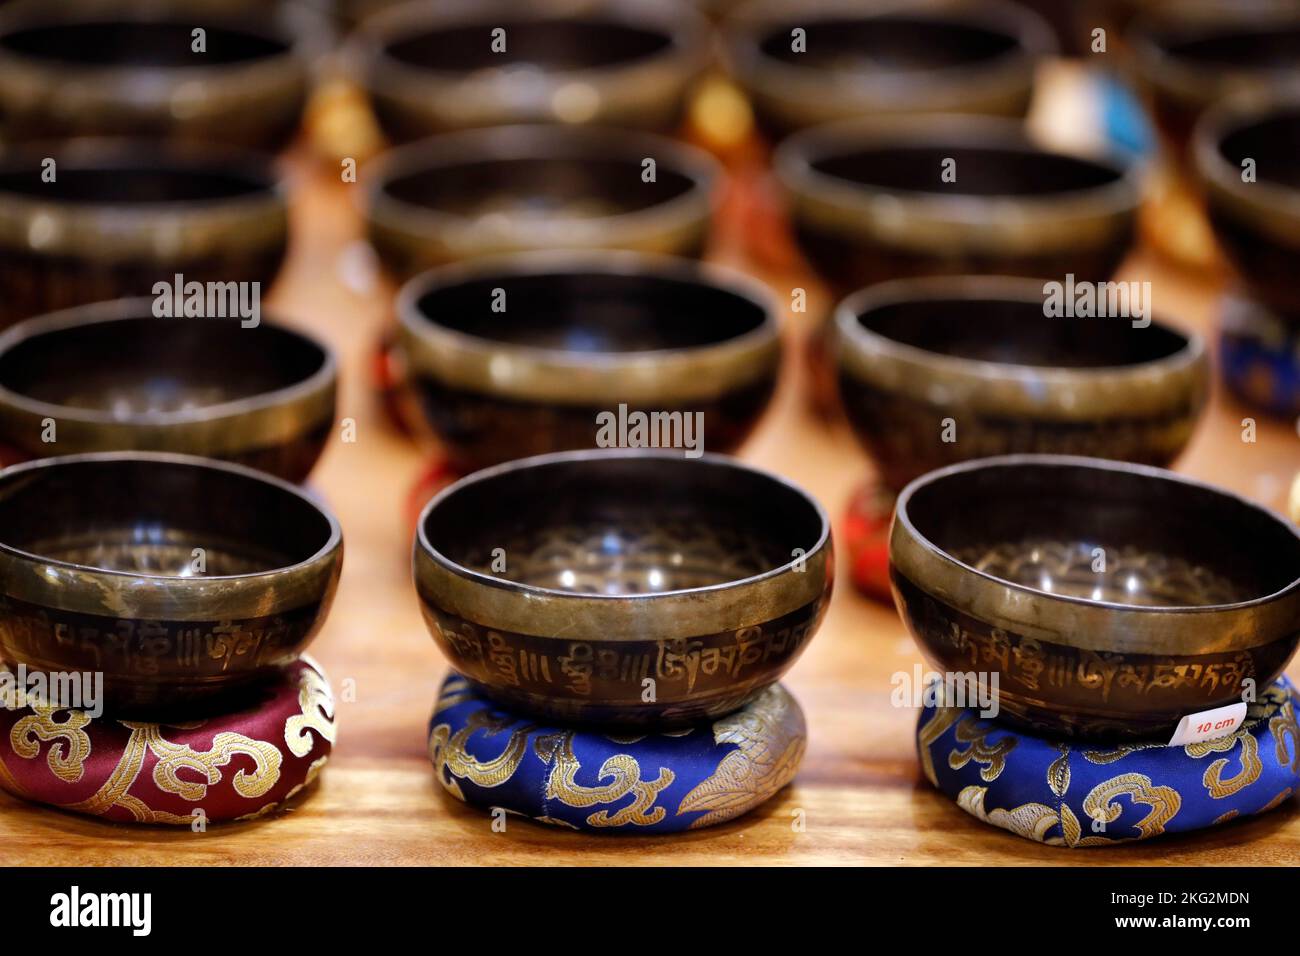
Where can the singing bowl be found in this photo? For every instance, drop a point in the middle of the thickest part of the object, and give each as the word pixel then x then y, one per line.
pixel 582 334
pixel 80 69
pixel 523 188
pixel 1110 599
pixel 896 59
pixel 182 580
pixel 869 203
pixel 112 377
pixel 978 351
pixel 1257 223
pixel 122 216
pixel 436 67
pixel 1186 58
pixel 623 587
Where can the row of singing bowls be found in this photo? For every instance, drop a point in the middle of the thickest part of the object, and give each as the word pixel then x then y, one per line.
pixel 119 216
pixel 638 588
pixel 520 188
pixel 580 334
pixel 869 202
pixel 1257 223
pixel 437 67
pixel 1110 599
pixel 182 580
pixel 76 69
pixel 112 376
pixel 978 351
pixel 895 58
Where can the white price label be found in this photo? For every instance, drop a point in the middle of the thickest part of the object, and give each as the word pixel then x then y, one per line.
pixel 1209 724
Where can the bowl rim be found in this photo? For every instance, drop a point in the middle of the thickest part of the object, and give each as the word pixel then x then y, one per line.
pixel 903 519
pixel 333 543
pixel 793 159
pixel 990 288
pixel 710 459
pixel 139 307
pixel 1231 115
pixel 531 141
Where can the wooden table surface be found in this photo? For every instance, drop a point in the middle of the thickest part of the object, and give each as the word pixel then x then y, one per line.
pixel 863 797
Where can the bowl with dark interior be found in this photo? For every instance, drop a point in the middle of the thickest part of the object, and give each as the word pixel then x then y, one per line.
pixel 184 581
pixel 1110 599
pixel 632 588
pixel 521 188
pixel 76 69
pixel 114 377
pixel 1257 222
pixel 534 353
pixel 112 219
pixel 438 67
pixel 850 62
pixel 953 195
pixel 1186 57
pixel 940 370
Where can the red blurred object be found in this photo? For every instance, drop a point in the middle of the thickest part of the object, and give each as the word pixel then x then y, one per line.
pixel 387 377
pixel 866 536
pixel 437 475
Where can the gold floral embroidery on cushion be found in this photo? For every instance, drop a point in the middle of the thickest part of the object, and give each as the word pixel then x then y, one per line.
pixel 931 731
pixel 1251 765
pixel 1032 820
pixel 67 762
pixel 1102 804
pixel 451 756
pixel 771 738
pixel 623 773
pixel 1277 801
pixel 992 758
pixel 174 758
pixel 1284 728
pixel 316 706
pixel 1058 772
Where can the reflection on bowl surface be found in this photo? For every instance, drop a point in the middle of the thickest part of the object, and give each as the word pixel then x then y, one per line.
pixel 699 580
pixel 1111 599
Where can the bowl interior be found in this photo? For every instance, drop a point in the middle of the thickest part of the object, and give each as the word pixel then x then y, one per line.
pixel 867 45
pixel 1166 543
pixel 139 43
pixel 1232 47
pixel 580 43
pixel 130 180
pixel 144 366
pixel 620 525
pixel 1016 332
pixel 594 312
pixel 1009 170
pixel 147 516
pixel 488 190
pixel 1273 141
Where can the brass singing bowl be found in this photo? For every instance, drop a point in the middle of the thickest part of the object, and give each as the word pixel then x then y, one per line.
pixel 121 216
pixel 524 188
pixel 630 588
pixel 1257 223
pixel 182 580
pixel 941 370
pixel 870 202
pixel 1110 599
pixel 959 58
pixel 76 69
pixel 437 67
pixel 578 335
pixel 113 377
pixel 1186 57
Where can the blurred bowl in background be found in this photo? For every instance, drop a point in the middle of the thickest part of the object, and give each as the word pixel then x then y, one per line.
pixel 181 580
pixel 893 58
pixel 580 334
pixel 1257 223
pixel 437 67
pixel 523 188
pixel 953 195
pixel 120 216
pixel 632 588
pixel 113 377
pixel 78 68
pixel 979 352
pixel 1110 599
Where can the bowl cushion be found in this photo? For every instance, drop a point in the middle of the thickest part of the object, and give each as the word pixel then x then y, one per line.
pixel 1259 352
pixel 1080 795
pixel 231 767
pixel 587 779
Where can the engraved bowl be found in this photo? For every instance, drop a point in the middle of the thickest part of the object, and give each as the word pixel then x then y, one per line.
pixel 182 580
pixel 113 377
pixel 634 588
pixel 1110 599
